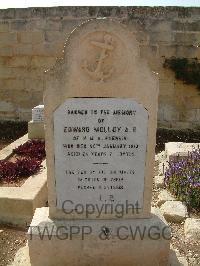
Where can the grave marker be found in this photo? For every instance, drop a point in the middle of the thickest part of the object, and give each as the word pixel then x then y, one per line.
pixel 36 125
pixel 100 117
pixel 100 152
pixel 38 113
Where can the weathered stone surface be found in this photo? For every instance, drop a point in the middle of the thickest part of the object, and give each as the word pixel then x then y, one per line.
pixel 161 157
pixel 167 88
pixel 36 130
pixel 23 49
pixel 6 51
pixel 43 61
pixel 6 106
pixel 164 196
pixel 188 51
pixel 187 38
pixel 194 261
pixel 53 24
pixel 4 26
pixel 91 249
pixel 157 26
pixel 191 115
pixel 167 50
pixel 159 181
pixel 48 49
pixel 161 37
pixel 185 26
pixel 28 32
pixel 21 257
pixel 192 229
pixel 19 25
pixel 6 72
pixel 192 102
pixel 174 211
pixel 31 37
pixel 94 113
pixel 19 61
pixel 175 259
pixel 147 51
pixel 52 36
pixel 197 115
pixel 33 84
pixel 81 49
pixel 169 109
pixel 24 114
pixel 8 38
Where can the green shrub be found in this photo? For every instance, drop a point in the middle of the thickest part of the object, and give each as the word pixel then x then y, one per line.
pixel 186 70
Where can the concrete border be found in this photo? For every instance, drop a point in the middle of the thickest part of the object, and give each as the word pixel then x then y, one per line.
pixel 8 150
pixel 18 204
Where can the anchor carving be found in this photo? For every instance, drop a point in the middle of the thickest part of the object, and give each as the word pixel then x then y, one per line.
pixel 98 73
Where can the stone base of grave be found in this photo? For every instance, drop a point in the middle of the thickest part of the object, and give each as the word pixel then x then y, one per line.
pixel 35 130
pixel 124 242
pixel 22 258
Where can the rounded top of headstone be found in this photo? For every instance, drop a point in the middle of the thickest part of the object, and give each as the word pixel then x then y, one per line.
pixel 101 59
pixel 102 45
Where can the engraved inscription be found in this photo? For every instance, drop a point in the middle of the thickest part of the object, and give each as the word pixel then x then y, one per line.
pixel 100 151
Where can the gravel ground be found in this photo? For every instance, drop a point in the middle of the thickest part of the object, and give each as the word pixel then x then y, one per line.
pixel 11 239
pixel 190 250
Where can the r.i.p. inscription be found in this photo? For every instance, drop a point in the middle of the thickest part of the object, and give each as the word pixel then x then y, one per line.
pixel 100 151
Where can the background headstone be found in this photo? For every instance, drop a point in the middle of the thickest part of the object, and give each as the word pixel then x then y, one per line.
pixel 36 125
pixel 38 113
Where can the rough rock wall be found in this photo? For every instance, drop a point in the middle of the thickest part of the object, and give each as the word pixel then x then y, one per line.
pixel 31 39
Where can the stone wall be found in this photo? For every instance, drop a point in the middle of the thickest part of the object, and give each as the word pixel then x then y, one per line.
pixel 31 40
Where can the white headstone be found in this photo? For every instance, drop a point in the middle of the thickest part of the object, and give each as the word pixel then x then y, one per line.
pixel 101 86
pixel 100 151
pixel 38 113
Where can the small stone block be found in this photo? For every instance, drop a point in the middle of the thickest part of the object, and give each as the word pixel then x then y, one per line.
pixel 38 113
pixel 164 196
pixel 36 130
pixel 159 181
pixel 192 229
pixel 91 248
pixel 174 211
pixel 176 260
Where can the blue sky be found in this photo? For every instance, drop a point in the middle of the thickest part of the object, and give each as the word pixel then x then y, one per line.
pixel 37 3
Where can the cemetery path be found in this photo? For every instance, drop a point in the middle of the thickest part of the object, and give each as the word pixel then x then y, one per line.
pixel 11 239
